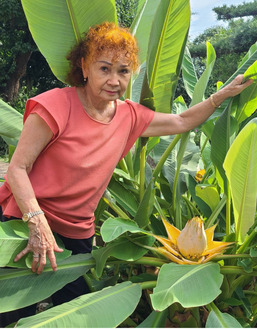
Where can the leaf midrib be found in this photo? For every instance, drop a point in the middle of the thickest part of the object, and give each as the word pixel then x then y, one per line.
pixel 73 21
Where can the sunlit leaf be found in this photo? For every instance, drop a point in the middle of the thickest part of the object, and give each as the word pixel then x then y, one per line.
pixel 56 26
pixel 114 227
pixel 21 287
pixel 208 194
pixel 241 169
pixel 102 309
pixel 189 285
pixel 10 123
pixel 221 320
pixel 123 249
pixel 166 48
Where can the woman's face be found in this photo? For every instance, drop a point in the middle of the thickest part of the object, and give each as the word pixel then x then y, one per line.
pixel 107 79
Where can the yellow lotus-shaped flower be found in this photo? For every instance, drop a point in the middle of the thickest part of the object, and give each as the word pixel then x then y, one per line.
pixel 192 245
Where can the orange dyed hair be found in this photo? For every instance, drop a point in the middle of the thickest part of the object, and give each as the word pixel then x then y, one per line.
pixel 102 38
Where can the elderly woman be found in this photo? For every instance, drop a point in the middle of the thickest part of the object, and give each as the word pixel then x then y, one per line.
pixel 74 137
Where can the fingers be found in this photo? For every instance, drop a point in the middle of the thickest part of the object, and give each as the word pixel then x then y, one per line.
pixel 57 248
pixel 42 263
pixel 22 253
pixel 35 262
pixel 52 259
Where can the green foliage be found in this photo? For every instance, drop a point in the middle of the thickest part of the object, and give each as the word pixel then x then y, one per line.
pixel 126 11
pixel 106 308
pixel 16 45
pixel 141 195
pixel 246 9
pixel 190 285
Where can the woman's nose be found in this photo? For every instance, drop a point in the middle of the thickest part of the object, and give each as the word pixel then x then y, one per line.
pixel 113 80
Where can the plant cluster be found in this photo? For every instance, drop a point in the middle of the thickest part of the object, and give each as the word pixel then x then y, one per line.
pixel 155 190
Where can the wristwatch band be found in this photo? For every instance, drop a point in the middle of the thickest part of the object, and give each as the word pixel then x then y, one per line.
pixel 27 216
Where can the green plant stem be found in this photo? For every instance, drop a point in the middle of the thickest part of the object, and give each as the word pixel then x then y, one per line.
pixel 228 212
pixel 250 292
pixel 165 155
pixel 220 257
pixel 148 284
pixel 216 212
pixel 235 270
pixel 247 241
pixel 175 194
pixel 191 206
pixel 123 165
pixel 117 209
pixel 159 209
pixel 150 261
pixel 214 308
pixel 142 172
pixel 129 162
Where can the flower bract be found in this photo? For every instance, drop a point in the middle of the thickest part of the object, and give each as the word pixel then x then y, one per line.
pixel 192 245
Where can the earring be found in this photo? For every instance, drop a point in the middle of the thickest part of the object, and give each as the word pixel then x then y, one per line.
pixel 85 79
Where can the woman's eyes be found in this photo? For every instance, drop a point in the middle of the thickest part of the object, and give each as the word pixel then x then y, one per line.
pixel 121 71
pixel 124 71
pixel 104 68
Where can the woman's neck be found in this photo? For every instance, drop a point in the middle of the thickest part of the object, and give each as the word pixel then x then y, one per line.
pixel 97 109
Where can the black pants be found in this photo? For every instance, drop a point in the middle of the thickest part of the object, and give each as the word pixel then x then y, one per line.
pixel 66 294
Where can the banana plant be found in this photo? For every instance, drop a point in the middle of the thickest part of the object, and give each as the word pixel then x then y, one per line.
pixel 130 238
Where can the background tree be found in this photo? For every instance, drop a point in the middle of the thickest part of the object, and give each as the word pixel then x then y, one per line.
pixel 230 43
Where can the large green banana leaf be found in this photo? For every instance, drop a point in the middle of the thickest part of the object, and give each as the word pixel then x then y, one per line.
pixel 165 51
pixel 22 287
pixel 10 123
pixel 247 103
pixel 102 309
pixel 57 25
pixel 241 169
pixel 200 86
pixel 189 285
pixel 141 26
pixel 220 143
pixel 247 61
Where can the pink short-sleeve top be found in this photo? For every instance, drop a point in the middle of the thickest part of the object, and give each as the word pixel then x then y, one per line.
pixel 71 174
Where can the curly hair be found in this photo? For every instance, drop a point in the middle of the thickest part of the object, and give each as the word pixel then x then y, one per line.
pixel 104 37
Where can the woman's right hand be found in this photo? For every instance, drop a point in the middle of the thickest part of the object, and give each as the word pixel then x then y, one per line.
pixel 41 243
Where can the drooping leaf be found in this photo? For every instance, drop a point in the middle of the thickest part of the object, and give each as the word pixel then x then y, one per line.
pixel 145 207
pixel 123 249
pixel 189 74
pixel 102 309
pixel 10 123
pixel 221 320
pixel 20 288
pixel 56 26
pixel 112 228
pixel 241 169
pixel 123 196
pixel 208 194
pixel 189 285
pixel 155 320
pixel 166 48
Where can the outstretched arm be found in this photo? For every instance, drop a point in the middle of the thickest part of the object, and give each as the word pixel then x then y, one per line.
pixel 172 124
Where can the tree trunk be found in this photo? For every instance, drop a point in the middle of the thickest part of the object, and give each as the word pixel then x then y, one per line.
pixel 13 83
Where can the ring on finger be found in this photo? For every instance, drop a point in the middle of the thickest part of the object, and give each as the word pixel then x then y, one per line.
pixel 36 256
